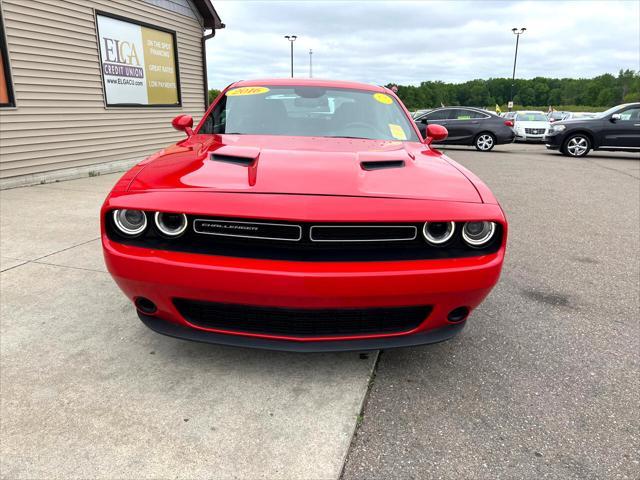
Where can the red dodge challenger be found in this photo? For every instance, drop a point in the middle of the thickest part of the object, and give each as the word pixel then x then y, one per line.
pixel 304 215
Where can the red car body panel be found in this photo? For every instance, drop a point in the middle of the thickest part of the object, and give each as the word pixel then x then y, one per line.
pixel 307 166
pixel 304 179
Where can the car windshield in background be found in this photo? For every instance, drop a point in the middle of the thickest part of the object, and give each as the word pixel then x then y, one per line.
pixel 531 117
pixel 309 112
pixel 611 111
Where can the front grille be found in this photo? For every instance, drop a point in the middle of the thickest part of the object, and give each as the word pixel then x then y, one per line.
pixel 304 242
pixel 259 230
pixel 362 233
pixel 534 131
pixel 301 322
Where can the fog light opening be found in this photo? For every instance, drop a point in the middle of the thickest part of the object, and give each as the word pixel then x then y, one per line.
pixel 458 315
pixel 145 305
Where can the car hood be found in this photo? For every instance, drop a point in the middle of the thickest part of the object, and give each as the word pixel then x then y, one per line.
pixel 305 166
pixel 525 124
pixel 578 121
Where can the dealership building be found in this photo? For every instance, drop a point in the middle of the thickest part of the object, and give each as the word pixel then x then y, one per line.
pixel 91 86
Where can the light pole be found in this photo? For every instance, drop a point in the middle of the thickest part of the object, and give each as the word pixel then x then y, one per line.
pixel 517 32
pixel 291 38
pixel 310 64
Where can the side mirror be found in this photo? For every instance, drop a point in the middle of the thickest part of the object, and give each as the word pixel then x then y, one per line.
pixel 615 117
pixel 184 123
pixel 436 133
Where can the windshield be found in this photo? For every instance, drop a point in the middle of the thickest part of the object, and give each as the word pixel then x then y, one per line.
pixel 310 112
pixel 531 117
pixel 611 111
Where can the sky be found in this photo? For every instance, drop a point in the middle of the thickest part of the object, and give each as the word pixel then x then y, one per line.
pixel 384 42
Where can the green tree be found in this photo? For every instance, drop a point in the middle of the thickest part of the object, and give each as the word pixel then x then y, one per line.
pixel 213 93
pixel 603 91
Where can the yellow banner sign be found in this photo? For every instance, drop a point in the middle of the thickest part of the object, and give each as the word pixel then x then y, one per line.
pixel 159 65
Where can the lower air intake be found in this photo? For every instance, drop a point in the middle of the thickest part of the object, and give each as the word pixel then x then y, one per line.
pixel 301 322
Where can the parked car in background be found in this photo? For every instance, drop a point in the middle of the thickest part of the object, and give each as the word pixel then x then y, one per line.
pixel 556 116
pixel 508 115
pixel 469 126
pixel 578 115
pixel 419 113
pixel 617 129
pixel 530 126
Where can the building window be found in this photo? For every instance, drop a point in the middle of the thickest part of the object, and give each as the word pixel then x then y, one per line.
pixel 6 88
pixel 139 63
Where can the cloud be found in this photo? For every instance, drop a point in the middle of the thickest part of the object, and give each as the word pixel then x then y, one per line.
pixel 408 42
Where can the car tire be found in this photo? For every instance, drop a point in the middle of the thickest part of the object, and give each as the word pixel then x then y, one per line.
pixel 484 142
pixel 577 145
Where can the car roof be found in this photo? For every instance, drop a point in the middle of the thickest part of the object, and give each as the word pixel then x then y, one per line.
pixel 478 109
pixel 308 82
pixel 461 106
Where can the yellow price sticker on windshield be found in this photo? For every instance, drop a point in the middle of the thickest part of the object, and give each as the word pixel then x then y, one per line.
pixel 397 132
pixel 383 98
pixel 247 91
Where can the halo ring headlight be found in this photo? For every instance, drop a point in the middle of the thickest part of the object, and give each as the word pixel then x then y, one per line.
pixel 477 234
pixel 438 233
pixel 171 224
pixel 130 222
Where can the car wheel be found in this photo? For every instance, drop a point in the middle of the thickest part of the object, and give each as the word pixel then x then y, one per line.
pixel 484 142
pixel 577 145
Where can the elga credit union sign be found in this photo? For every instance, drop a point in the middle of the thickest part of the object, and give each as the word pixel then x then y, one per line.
pixel 138 63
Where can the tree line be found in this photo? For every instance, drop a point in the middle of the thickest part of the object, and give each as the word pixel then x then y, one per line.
pixel 602 91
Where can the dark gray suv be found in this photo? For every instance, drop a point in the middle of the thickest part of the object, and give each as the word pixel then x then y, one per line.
pixel 469 126
pixel 617 129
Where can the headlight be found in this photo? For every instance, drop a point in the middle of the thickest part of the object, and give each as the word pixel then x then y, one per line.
pixel 130 222
pixel 558 128
pixel 478 234
pixel 171 224
pixel 438 233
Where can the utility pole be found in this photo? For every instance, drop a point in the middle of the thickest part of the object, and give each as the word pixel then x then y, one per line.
pixel 517 32
pixel 310 64
pixel 291 38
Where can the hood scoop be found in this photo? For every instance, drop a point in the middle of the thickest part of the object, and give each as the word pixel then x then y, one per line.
pixel 381 164
pixel 240 161
pixel 242 157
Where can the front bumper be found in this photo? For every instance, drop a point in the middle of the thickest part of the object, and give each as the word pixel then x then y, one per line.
pixel 186 333
pixel 553 141
pixel 527 137
pixel 162 276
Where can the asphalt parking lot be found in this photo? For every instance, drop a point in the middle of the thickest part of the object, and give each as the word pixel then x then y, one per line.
pixel 543 382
